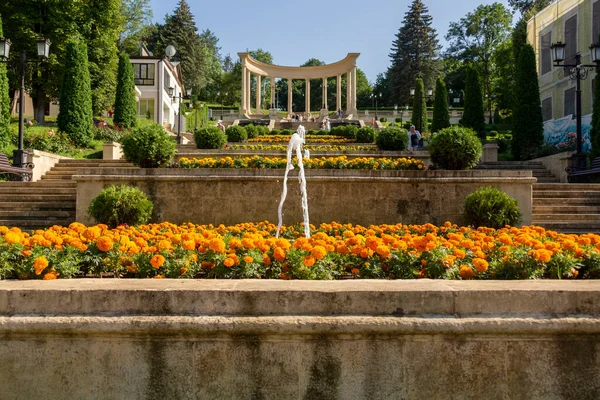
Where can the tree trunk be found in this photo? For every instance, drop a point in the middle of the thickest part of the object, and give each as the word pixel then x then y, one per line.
pixel 39 105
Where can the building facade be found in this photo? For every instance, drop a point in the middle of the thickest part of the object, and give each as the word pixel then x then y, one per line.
pixel 577 24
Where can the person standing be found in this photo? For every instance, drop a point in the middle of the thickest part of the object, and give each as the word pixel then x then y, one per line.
pixel 413 138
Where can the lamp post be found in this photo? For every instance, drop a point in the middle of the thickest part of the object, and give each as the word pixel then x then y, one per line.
pixel 179 98
pixel 577 71
pixel 43 49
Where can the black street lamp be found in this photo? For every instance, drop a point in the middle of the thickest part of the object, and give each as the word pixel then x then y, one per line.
pixel 43 49
pixel 375 96
pixel 180 98
pixel 577 71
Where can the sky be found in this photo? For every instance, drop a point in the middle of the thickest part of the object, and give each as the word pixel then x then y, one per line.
pixel 294 32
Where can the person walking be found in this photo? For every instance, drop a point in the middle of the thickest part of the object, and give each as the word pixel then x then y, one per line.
pixel 413 139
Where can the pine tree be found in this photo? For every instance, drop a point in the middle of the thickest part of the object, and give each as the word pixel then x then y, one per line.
pixel 528 131
pixel 419 115
pixel 75 117
pixel 4 103
pixel 441 117
pixel 125 105
pixel 473 116
pixel 414 53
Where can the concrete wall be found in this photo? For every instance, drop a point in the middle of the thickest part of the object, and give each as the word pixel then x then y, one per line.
pixel 112 151
pixel 557 163
pixel 230 196
pixel 219 339
pixel 42 162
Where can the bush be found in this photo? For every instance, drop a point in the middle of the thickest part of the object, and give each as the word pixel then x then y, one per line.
pixel 117 205
pixel 398 120
pixel 346 131
pixel 366 134
pixel 263 130
pixel 251 131
pixel 236 133
pixel 455 148
pixel 125 104
pixel 383 119
pixel 392 138
pixel 492 208
pixel 210 137
pixel 148 146
pixel 108 134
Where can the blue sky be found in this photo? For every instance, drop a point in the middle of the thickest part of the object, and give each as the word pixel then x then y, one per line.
pixel 294 32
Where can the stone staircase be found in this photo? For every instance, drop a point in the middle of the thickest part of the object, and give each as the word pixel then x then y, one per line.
pixel 567 208
pixel 538 169
pixel 50 201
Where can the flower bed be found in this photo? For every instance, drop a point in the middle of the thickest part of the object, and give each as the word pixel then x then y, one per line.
pixel 340 162
pixel 308 139
pixel 311 147
pixel 334 251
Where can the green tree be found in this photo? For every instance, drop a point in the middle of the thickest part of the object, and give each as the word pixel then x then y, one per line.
pixel 473 115
pixel 75 116
pixel 503 77
pixel 137 17
pixel 528 131
pixel 595 131
pixel 414 53
pixel 441 117
pixel 419 115
pixel 4 103
pixel 125 104
pixel 475 37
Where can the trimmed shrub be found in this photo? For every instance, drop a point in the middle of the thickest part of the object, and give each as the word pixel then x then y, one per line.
pixel 75 116
pixel 125 104
pixel 346 131
pixel 263 130
pixel 366 134
pixel 398 120
pixel 236 133
pixel 455 148
pixel 210 137
pixel 392 138
pixel 117 205
pixel 492 208
pixel 383 119
pixel 473 116
pixel 441 117
pixel 148 146
pixel 251 131
pixel 419 109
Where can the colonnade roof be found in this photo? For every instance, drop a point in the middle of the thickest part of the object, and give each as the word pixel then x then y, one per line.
pixel 279 71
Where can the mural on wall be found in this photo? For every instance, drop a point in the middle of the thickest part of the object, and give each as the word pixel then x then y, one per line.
pixel 561 133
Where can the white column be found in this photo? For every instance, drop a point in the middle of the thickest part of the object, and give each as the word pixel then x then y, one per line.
pixel 338 92
pixel 248 90
pixel 348 92
pixel 289 96
pixel 354 108
pixel 272 105
pixel 258 93
pixel 307 95
pixel 243 103
pixel 325 93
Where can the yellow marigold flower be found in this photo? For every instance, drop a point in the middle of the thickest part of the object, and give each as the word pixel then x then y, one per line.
pixel 229 262
pixel 309 261
pixel 248 259
pixel 104 243
pixel 188 244
pixel 92 233
pixel 157 261
pixel 50 275
pixel 466 272
pixel 318 252
pixel 480 264
pixel 39 264
pixel 217 245
pixel 12 238
pixel 164 245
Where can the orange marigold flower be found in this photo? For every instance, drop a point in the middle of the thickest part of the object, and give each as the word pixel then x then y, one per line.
pixel 480 264
pixel 229 262
pixel 217 245
pixel 279 254
pixel 266 260
pixel 309 261
pixel 383 251
pixel 318 252
pixel 26 253
pixel 157 261
pixel 248 259
pixel 92 233
pixel 159 276
pixel 189 244
pixel 466 272
pixel 183 270
pixel 50 275
pixel 40 263
pixel 12 238
pixel 355 271
pixel 104 243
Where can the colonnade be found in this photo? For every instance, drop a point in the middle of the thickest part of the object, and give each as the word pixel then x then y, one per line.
pixel 251 66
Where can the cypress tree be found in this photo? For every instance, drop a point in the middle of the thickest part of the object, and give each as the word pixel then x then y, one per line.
pixel 528 130
pixel 473 116
pixel 419 115
pixel 125 105
pixel 4 103
pixel 441 117
pixel 595 131
pixel 75 117
pixel 414 53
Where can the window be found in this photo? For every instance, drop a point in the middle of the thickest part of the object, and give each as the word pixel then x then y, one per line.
pixel 146 108
pixel 546 58
pixel 569 102
pixel 167 81
pixel 143 74
pixel 595 22
pixel 571 40
pixel 547 109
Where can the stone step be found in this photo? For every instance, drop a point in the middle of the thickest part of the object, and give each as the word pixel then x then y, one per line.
pixel 570 227
pixel 568 186
pixel 33 224
pixel 38 190
pixel 590 218
pixel 36 197
pixel 39 184
pixel 57 177
pixel 39 205
pixel 561 201
pixel 568 209
pixel 36 214
pixel 565 193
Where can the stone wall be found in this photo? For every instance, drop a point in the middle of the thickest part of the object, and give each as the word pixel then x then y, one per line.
pixel 219 339
pixel 230 196
pixel 42 162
